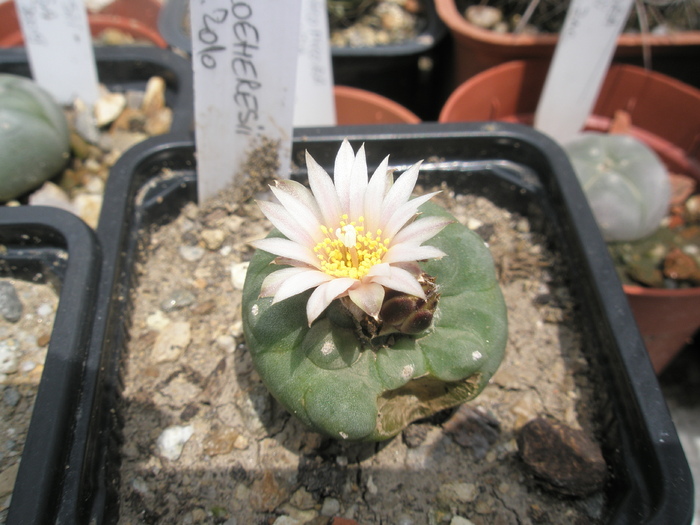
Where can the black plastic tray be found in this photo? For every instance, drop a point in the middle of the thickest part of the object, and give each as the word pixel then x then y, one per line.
pixel 514 166
pixel 51 246
pixel 123 68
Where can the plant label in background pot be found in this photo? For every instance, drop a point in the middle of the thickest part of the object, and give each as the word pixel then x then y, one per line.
pixel 314 102
pixel 626 184
pixel 59 45
pixel 244 57
pixel 581 59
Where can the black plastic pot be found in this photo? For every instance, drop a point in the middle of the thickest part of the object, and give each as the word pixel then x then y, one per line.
pixel 412 73
pixel 123 68
pixel 515 167
pixel 51 246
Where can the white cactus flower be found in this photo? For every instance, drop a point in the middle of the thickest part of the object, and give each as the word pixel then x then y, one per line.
pixel 355 237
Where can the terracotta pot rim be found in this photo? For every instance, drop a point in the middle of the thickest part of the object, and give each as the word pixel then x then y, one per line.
pixel 374 99
pixel 99 22
pixel 453 19
pixel 632 289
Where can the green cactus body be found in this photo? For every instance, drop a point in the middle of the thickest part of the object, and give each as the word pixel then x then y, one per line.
pixel 339 383
pixel 34 136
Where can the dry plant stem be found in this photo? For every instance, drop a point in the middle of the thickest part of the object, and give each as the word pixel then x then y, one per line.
pixel 526 16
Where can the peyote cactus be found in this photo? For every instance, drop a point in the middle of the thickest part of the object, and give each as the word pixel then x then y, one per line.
pixel 34 136
pixel 627 186
pixel 382 340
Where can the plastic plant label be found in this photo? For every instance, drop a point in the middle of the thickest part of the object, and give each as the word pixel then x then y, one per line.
pixel 244 57
pixel 59 46
pixel 314 102
pixel 581 60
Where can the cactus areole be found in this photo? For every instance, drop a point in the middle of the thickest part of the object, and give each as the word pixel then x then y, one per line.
pixel 354 324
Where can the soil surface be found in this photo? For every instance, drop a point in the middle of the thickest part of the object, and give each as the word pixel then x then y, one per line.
pixel 204 442
pixel 28 311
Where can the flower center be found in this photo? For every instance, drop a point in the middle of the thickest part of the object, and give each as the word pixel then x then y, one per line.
pixel 349 251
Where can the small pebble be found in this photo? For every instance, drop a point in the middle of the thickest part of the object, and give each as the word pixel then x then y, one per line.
pixel 238 273
pixel 172 440
pixel 10 305
pixel 177 300
pixel 171 343
pixel 11 396
pixel 44 310
pixel 331 507
pixel 459 520
pixel 191 253
pixel 9 356
pixel 213 239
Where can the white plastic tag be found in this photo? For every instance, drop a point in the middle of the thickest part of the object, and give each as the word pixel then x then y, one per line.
pixel 314 102
pixel 581 60
pixel 244 57
pixel 59 46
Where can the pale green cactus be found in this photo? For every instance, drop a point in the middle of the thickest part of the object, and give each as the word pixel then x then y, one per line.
pixel 627 186
pixel 366 353
pixel 34 136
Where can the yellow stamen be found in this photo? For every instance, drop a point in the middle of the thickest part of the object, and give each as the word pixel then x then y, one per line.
pixel 347 251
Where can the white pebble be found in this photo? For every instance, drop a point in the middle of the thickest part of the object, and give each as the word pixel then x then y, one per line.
pixel 238 273
pixel 171 343
pixel 191 253
pixel 9 356
pixel 44 310
pixel 172 440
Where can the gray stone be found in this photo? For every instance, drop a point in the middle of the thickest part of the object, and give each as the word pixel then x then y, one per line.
pixel 331 507
pixel 473 428
pixel 176 300
pixel 191 253
pixel 9 356
pixel 11 396
pixel 10 305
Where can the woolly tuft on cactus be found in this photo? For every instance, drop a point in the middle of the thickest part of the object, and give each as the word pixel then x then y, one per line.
pixel 627 186
pixel 365 329
pixel 34 136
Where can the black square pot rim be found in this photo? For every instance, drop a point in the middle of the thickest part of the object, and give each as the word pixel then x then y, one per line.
pixel 34 233
pixel 173 13
pixel 651 444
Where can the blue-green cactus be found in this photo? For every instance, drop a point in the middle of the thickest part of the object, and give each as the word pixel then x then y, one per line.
pixel 626 184
pixel 34 136
pixel 350 373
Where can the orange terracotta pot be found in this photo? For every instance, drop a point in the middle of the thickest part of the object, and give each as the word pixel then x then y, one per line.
pixel 477 49
pixel 121 15
pixel 357 106
pixel 666 116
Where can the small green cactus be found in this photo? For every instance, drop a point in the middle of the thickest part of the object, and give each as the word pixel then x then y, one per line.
pixel 360 366
pixel 626 185
pixel 34 136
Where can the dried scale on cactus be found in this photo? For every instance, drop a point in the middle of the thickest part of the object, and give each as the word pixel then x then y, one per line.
pixel 354 323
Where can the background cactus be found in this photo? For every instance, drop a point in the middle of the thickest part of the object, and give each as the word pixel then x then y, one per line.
pixel 627 186
pixel 339 383
pixel 34 136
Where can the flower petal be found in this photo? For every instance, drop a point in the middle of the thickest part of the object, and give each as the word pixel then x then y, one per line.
pixel 273 281
pixel 400 192
pixel 421 230
pixel 358 185
pixel 378 185
pixel 406 252
pixel 403 214
pixel 342 173
pixel 368 297
pixel 299 202
pixel 288 249
pixel 401 281
pixel 300 282
pixel 324 192
pixel 324 295
pixel 285 222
